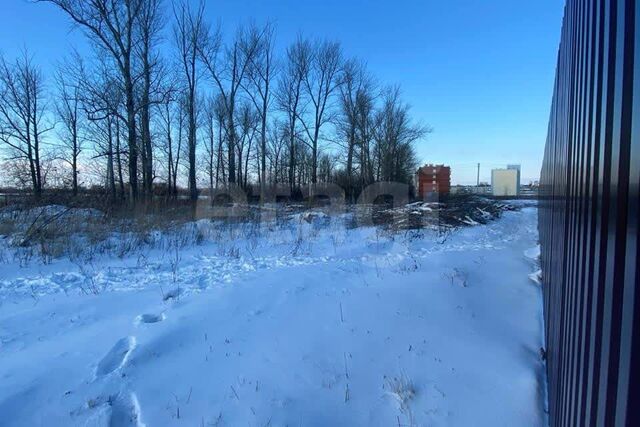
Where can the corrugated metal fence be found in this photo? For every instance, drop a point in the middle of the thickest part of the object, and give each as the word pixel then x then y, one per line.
pixel 589 213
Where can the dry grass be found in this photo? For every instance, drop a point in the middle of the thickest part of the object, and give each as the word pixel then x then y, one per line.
pixel 402 391
pixel 7 227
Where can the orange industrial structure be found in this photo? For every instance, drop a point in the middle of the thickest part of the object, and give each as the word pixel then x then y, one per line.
pixel 433 179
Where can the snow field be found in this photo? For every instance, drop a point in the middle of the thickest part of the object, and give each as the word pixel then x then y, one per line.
pixel 311 324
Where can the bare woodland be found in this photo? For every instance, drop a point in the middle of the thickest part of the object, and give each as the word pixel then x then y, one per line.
pixel 168 106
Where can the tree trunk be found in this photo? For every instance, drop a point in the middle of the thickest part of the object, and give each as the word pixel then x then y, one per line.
pixel 36 148
pixel 74 166
pixel 314 156
pixel 193 190
pixel 263 140
pixel 131 130
pixel 110 169
pixel 32 166
pixel 119 159
pixel 170 154
pixel 219 157
pixel 75 153
pixel 232 145
pixel 145 118
pixel 211 151
pixel 350 165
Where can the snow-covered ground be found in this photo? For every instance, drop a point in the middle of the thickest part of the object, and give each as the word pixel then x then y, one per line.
pixel 310 324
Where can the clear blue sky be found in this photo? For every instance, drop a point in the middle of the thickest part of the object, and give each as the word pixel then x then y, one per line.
pixel 479 72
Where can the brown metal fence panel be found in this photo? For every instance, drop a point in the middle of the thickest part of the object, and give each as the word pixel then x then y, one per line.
pixel 589 218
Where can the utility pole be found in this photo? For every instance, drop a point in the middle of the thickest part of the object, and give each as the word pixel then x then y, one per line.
pixel 478 180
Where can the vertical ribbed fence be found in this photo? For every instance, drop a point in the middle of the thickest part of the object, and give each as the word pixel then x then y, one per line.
pixel 588 221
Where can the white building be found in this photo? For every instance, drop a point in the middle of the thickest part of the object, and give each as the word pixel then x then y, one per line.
pixel 516 167
pixel 505 182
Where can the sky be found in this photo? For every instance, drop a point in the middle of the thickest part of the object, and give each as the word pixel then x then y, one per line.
pixel 478 72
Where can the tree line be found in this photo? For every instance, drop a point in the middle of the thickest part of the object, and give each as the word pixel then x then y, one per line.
pixel 166 102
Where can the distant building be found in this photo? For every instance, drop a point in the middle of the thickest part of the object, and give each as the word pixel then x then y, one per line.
pixel 433 179
pixel 471 189
pixel 505 182
pixel 516 167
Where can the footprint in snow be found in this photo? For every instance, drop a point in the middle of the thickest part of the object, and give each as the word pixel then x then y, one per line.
pixel 117 357
pixel 125 411
pixel 172 294
pixel 150 318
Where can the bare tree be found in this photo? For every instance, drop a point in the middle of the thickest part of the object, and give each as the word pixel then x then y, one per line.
pixel 228 67
pixel 248 123
pixel 102 101
pixel 182 129
pixel 365 121
pixel 260 74
pixel 357 96
pixel 189 33
pixel 290 95
pixel 211 146
pixel 277 143
pixel 171 120
pixel 321 82
pixel 394 135
pixel 126 92
pixel 111 25
pixel 220 116
pixel 22 114
pixel 70 115
pixel 326 167
pixel 149 26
